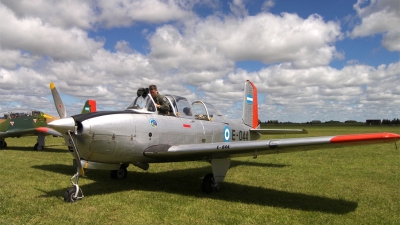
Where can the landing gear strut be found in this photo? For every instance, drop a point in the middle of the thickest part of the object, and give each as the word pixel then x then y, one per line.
pixel 40 142
pixel 74 193
pixel 211 181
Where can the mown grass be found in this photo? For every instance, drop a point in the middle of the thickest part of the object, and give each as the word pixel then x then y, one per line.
pixel 353 185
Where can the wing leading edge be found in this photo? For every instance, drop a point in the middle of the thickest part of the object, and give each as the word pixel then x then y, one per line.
pixel 29 132
pixel 248 148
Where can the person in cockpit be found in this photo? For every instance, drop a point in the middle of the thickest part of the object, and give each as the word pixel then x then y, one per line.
pixel 187 111
pixel 161 101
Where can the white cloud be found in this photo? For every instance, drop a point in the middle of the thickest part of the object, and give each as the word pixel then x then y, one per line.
pixel 123 46
pixel 65 14
pixel 40 38
pixel 12 59
pixel 267 5
pixel 238 8
pixel 321 92
pixel 265 37
pixel 379 17
pixel 123 13
pixel 194 61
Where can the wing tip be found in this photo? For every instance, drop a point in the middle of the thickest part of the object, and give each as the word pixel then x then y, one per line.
pixel 52 86
pixel 387 137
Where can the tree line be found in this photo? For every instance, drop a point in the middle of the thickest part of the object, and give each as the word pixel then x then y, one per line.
pixel 395 121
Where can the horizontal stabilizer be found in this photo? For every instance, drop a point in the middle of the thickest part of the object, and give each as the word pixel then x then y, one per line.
pixel 280 131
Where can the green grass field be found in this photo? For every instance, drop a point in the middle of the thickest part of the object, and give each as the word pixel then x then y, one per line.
pixel 353 185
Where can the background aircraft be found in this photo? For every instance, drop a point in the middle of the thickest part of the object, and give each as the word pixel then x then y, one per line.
pixel 33 124
pixel 139 135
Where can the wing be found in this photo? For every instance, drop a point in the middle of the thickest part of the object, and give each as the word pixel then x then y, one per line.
pixel 29 132
pixel 248 148
pixel 280 131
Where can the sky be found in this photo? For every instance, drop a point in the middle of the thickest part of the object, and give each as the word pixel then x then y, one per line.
pixel 310 60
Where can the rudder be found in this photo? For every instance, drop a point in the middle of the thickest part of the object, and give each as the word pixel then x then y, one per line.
pixel 250 105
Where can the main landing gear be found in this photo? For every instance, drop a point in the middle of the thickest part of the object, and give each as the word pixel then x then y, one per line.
pixel 40 142
pixel 211 181
pixel 208 184
pixel 120 173
pixel 38 147
pixel 3 144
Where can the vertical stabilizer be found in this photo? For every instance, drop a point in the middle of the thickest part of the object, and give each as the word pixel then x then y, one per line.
pixel 250 105
pixel 90 106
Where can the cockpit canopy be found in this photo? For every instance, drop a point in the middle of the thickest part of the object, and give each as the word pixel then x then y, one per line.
pixel 179 107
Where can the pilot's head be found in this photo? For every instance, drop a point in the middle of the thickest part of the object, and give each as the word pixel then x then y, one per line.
pixel 153 90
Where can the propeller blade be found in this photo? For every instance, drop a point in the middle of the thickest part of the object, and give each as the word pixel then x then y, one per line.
pixel 57 101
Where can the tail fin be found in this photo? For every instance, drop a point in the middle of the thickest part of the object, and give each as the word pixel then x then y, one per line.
pixel 90 106
pixel 250 105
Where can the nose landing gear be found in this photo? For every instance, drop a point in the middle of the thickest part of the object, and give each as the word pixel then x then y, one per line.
pixel 74 193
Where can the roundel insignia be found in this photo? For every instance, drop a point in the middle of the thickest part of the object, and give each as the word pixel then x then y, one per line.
pixel 153 122
pixel 227 134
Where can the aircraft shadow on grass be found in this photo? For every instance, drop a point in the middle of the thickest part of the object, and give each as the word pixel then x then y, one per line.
pixel 235 163
pixel 189 178
pixel 49 149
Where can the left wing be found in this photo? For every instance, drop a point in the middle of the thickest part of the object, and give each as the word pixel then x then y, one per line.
pixel 248 148
pixel 29 132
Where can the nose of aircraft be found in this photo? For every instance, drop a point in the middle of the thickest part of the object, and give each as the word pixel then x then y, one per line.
pixel 63 125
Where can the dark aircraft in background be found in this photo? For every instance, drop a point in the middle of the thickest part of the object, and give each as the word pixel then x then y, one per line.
pixel 140 135
pixel 33 124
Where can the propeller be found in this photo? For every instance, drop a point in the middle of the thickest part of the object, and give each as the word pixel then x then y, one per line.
pixel 57 101
pixel 66 125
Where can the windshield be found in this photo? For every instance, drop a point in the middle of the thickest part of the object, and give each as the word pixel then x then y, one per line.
pixel 206 111
pixel 143 104
pixel 181 105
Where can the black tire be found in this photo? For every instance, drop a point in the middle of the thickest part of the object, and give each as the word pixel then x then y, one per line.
pixel 119 174
pixel 37 147
pixel 3 145
pixel 208 183
pixel 69 195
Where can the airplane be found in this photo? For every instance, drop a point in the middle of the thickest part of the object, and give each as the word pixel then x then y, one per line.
pixel 139 135
pixel 33 124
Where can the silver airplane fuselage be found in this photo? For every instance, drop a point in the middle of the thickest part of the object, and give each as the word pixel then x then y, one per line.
pixel 122 137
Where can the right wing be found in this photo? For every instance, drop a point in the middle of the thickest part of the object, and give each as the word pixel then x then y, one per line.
pixel 192 152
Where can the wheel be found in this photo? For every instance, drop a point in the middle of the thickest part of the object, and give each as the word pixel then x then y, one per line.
pixel 208 184
pixel 37 147
pixel 3 145
pixel 69 195
pixel 119 174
